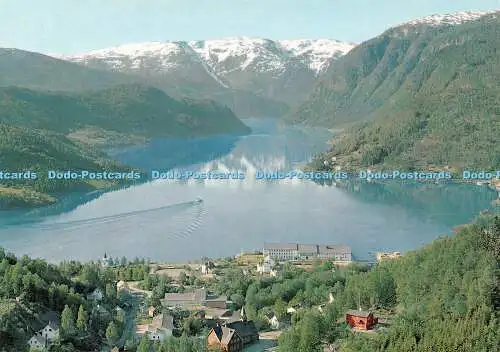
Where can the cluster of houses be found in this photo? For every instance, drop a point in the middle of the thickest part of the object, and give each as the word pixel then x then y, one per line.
pixel 47 335
pixel 296 251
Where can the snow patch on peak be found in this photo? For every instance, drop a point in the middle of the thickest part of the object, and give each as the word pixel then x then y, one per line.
pixel 218 56
pixel 133 50
pixel 244 49
pixel 448 19
pixel 317 52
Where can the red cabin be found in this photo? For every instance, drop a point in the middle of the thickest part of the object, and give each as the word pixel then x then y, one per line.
pixel 360 319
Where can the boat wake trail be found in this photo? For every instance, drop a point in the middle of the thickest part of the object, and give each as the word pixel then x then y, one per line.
pixel 178 220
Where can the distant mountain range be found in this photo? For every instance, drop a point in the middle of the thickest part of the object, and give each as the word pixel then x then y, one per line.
pixel 253 76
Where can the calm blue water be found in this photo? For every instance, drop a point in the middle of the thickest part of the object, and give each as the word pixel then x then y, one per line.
pixel 160 220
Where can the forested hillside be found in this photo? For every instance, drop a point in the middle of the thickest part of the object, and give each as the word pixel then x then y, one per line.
pixel 126 109
pixel 23 149
pixel 41 131
pixel 429 95
pixel 444 297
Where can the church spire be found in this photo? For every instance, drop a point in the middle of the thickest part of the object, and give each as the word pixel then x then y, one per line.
pixel 243 314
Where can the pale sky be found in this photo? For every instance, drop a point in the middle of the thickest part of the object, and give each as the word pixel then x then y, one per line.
pixel 69 26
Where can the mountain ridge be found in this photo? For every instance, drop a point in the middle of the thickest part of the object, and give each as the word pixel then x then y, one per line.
pixel 253 76
pixel 225 47
pixel 417 99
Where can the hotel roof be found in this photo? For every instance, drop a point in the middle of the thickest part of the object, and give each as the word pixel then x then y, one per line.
pixel 289 246
pixel 331 249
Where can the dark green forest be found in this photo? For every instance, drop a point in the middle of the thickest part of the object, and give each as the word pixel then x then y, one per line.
pixel 23 149
pixel 444 297
pixel 132 109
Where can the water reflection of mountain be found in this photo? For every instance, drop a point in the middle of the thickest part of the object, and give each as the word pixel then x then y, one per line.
pixel 261 149
pixel 170 153
pixel 445 203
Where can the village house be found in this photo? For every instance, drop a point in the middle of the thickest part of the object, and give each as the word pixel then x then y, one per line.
pixel 193 300
pixel 37 343
pixel 50 331
pixel 273 321
pixel 161 328
pixel 359 319
pixel 96 295
pixel 45 336
pixel 387 255
pixel 246 330
pixel 266 267
pixel 249 258
pixel 225 338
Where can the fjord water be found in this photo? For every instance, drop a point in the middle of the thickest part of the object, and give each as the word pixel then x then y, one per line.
pixel 162 220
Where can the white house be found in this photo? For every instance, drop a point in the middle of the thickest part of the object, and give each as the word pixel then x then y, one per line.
pixel 273 321
pixel 159 334
pixel 330 298
pixel 266 267
pixel 37 343
pixel 50 332
pixel 96 295
pixel 291 310
pixel 161 327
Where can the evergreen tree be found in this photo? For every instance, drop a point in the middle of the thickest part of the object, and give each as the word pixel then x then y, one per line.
pixel 144 345
pixel 67 323
pixel 81 320
pixel 112 333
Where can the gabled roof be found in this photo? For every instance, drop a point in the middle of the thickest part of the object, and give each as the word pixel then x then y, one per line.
pixel 270 315
pixel 224 334
pixel 44 319
pixel 38 339
pixel 53 325
pixel 197 296
pixel 227 335
pixel 243 328
pixel 163 321
pixel 359 313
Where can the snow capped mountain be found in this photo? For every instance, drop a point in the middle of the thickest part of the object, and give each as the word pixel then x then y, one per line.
pixel 447 19
pixel 221 56
pixel 317 53
pixel 279 71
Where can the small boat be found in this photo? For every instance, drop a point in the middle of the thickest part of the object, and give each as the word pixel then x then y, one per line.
pixel 199 200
